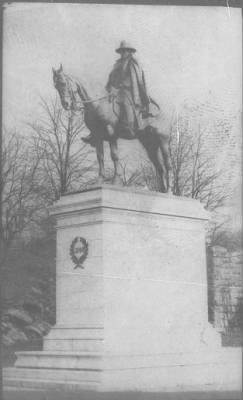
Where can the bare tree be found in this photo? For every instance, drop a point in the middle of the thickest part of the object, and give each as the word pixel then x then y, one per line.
pixel 21 202
pixel 66 164
pixel 23 208
pixel 144 175
pixel 194 170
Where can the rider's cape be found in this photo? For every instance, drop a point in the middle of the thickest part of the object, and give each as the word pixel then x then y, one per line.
pixel 129 75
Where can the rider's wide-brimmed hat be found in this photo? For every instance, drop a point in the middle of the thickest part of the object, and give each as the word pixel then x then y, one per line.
pixel 125 46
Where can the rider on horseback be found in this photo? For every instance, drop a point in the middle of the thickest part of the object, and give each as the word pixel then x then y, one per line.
pixel 126 83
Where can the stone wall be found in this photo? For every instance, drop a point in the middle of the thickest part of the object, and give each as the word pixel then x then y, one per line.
pixel 221 122
pixel 225 287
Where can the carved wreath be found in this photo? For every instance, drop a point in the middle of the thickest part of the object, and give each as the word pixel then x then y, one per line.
pixel 78 251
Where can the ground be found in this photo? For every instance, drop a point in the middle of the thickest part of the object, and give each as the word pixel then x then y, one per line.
pixel 40 395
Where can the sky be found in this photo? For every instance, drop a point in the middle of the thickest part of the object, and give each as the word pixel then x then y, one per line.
pixel 186 52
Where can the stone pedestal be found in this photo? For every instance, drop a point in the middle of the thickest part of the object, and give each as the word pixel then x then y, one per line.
pixel 133 314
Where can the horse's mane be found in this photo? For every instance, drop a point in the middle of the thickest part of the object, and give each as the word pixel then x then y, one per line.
pixel 72 78
pixel 76 81
pixel 88 87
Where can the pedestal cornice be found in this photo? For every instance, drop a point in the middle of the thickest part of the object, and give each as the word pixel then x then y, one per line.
pixel 129 199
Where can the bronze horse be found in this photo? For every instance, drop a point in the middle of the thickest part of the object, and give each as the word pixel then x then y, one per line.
pixel 103 122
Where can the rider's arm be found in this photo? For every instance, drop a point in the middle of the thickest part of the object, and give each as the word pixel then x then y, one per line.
pixel 109 83
pixel 114 77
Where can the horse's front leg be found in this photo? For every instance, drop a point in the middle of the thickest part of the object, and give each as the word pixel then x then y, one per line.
pixel 164 147
pixel 115 158
pixel 100 158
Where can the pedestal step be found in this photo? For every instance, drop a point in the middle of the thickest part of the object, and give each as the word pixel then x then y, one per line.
pixel 78 332
pixel 205 370
pixel 52 374
pixel 59 360
pixel 83 345
pixel 46 384
pixel 79 339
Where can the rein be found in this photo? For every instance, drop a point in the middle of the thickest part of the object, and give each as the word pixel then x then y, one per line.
pixel 72 94
pixel 92 101
pixel 98 99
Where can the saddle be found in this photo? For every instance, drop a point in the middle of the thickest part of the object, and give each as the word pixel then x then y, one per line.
pixel 133 118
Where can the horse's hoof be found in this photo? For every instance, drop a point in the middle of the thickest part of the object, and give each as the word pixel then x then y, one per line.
pixel 117 181
pixel 100 180
pixel 89 140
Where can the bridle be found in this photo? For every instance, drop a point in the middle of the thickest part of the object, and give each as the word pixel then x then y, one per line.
pixel 73 93
pixel 69 92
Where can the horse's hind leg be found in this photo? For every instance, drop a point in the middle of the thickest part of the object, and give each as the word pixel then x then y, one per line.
pixel 150 141
pixel 162 171
pixel 115 158
pixel 100 158
pixel 164 148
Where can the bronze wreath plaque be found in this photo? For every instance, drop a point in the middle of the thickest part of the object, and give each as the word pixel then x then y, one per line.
pixel 79 251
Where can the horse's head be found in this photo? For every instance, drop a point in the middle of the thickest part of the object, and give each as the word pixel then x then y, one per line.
pixel 61 84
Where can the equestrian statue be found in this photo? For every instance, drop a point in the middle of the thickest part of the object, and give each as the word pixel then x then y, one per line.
pixel 125 112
